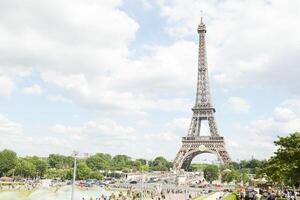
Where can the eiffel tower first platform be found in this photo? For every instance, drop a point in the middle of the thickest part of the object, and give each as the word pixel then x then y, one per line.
pixel 194 144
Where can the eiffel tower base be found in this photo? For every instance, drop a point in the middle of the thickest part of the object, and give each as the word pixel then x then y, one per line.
pixel 193 146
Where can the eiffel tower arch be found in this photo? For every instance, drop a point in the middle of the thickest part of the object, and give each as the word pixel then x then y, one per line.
pixel 194 143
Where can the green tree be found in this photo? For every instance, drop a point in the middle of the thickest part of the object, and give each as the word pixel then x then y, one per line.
pixel 211 173
pixel 96 175
pixel 62 174
pixel 83 171
pixel 40 165
pixel 142 161
pixel 99 161
pixel 197 167
pixel 25 168
pixel 144 168
pixel 60 161
pixel 228 175
pixel 284 166
pixel 234 165
pixel 8 161
pixel 56 161
pixel 160 164
pixel 242 175
pixel 252 165
pixel 120 162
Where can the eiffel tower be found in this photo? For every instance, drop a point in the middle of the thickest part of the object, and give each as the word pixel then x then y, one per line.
pixel 194 144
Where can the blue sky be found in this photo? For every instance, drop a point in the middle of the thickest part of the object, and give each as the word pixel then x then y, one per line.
pixel 120 76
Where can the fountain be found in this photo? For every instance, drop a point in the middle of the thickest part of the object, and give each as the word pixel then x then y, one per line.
pixel 62 193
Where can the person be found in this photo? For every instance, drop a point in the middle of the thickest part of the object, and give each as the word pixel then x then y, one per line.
pixel 271 196
pixel 251 195
pixel 242 195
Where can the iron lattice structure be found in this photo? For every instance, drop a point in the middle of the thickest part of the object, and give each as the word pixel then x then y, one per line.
pixel 194 144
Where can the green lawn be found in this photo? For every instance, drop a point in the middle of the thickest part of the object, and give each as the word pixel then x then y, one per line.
pixel 14 194
pixel 203 196
pixel 230 196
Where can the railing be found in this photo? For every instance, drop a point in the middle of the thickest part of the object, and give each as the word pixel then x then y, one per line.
pixel 202 138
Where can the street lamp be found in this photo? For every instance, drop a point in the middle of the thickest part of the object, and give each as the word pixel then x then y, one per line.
pixel 185 187
pixel 75 154
pixel 142 185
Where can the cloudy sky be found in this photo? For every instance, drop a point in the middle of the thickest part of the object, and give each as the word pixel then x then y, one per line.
pixel 119 76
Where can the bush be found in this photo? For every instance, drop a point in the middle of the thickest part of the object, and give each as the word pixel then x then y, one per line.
pixel 231 196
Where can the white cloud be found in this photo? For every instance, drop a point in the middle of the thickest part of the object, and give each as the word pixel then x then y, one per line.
pixel 96 129
pixel 81 49
pixel 92 64
pixel 172 131
pixel 162 136
pixel 244 48
pixel 146 4
pixel 100 135
pixel 13 137
pixel 69 131
pixel 58 98
pixel 33 90
pixel 110 128
pixel 284 114
pixel 9 128
pixel 257 137
pixel 137 85
pixel 238 104
pixel 179 124
pixel 7 85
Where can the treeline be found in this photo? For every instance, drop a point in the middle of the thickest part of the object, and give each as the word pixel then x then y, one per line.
pixel 282 169
pixel 60 166
pixel 238 171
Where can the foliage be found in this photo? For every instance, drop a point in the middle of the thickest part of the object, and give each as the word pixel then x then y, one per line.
pixel 160 164
pixel 40 165
pixel 197 167
pixel 64 174
pixel 96 175
pixel 231 196
pixel 142 161
pixel 120 162
pixel 83 171
pixel 243 175
pixel 60 161
pixel 8 161
pixel 99 161
pixel 252 165
pixel 112 174
pixel 211 172
pixel 284 167
pixel 25 168
pixel 228 176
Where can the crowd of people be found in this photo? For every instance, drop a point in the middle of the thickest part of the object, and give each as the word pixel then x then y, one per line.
pixel 148 195
pixel 265 194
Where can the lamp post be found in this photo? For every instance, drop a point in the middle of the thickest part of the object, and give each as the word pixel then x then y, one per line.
pixel 142 193
pixel 75 154
pixel 185 187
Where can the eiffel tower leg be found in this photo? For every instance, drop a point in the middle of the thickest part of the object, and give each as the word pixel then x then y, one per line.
pixel 212 126
pixel 224 155
pixel 186 163
pixel 198 127
pixel 178 160
pixel 192 126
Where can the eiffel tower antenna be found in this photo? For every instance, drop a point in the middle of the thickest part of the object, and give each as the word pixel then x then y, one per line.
pixel 194 143
pixel 201 12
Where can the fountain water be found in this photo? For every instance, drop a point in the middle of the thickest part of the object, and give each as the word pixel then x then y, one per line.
pixel 62 193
